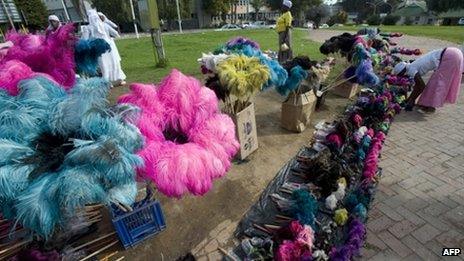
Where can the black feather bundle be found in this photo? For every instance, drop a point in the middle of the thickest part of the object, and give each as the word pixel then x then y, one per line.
pixel 221 91
pixel 50 151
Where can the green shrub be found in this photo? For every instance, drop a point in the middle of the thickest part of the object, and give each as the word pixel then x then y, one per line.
pixel 390 20
pixel 374 20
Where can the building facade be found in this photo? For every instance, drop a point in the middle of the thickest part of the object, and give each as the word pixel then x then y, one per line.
pixel 244 12
pixel 57 7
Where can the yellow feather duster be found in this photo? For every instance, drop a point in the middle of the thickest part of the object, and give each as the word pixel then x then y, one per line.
pixel 244 76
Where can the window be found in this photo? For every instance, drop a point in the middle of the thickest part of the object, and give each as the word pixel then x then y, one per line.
pixel 417 18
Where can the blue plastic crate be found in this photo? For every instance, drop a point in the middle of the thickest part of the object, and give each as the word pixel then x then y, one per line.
pixel 146 220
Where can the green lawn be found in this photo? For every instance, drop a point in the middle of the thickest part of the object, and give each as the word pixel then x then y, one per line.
pixel 450 33
pixel 183 50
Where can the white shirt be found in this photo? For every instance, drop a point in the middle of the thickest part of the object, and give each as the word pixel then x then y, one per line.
pixel 426 63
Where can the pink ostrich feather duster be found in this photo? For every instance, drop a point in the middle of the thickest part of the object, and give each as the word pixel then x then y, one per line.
pixel 180 104
pixel 14 71
pixel 53 55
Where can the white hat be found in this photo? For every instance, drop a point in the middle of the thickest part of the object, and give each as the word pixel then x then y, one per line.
pixel 53 18
pixel 287 3
pixel 399 68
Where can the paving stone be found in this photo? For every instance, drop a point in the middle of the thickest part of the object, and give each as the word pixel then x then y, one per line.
pixel 402 228
pixel 395 244
pixel 456 215
pixel 387 255
pixel 374 242
pixel 415 219
pixel 380 223
pixel 426 233
pixel 451 238
pixel 436 209
pixel 389 212
pixel 419 248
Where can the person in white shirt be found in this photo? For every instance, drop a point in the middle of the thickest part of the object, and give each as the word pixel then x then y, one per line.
pixel 110 62
pixel 444 84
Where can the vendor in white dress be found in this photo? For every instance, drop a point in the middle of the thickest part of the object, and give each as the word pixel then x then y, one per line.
pixel 110 63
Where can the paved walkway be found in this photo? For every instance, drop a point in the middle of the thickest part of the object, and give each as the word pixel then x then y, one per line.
pixel 419 208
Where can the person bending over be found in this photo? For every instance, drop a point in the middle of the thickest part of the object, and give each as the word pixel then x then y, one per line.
pixel 444 84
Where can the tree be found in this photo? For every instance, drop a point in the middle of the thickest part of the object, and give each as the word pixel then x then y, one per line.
pixel 340 18
pixel 316 14
pixel 35 13
pixel 390 20
pixel 256 4
pixel 167 9
pixel 216 7
pixel 444 5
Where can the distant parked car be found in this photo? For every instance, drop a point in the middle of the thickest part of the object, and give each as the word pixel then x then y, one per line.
pixel 257 25
pixel 271 25
pixel 323 26
pixel 245 25
pixel 461 21
pixel 309 25
pixel 229 27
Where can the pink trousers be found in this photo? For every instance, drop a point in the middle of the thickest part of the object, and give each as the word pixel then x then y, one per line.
pixel 444 85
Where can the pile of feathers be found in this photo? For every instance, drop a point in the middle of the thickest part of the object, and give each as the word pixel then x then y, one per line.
pixel 238 70
pixel 323 201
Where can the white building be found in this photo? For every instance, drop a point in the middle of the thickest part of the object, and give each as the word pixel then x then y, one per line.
pixel 60 7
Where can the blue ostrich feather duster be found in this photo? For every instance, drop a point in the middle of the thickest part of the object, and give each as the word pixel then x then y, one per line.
pixel 61 151
pixel 87 53
pixel 37 207
pixel 296 76
pixel 87 94
pixel 305 207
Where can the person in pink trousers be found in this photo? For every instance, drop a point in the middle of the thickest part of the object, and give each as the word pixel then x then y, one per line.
pixel 444 84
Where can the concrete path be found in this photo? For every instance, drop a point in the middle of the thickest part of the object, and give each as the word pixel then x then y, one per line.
pixel 425 44
pixel 419 208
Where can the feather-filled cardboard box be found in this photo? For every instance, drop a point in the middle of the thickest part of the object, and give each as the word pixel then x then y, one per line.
pixel 297 111
pixel 247 135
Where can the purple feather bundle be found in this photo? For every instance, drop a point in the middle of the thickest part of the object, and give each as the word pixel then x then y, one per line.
pixel 36 255
pixel 355 241
pixel 238 42
pixel 365 73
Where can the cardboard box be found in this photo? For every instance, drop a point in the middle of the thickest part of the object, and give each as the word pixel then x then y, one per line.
pixel 245 127
pixel 297 111
pixel 346 90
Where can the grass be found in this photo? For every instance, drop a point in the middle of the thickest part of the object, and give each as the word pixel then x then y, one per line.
pixel 183 50
pixel 449 33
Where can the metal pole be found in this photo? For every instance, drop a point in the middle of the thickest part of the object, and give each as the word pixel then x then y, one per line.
pixel 133 18
pixel 179 19
pixel 8 15
pixel 65 10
